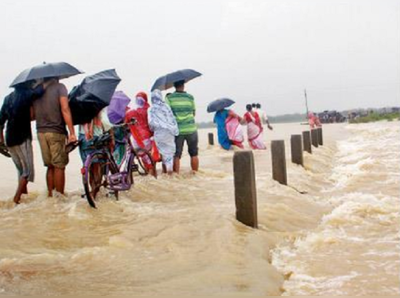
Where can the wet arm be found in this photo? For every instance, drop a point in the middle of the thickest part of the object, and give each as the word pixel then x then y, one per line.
pixel 66 112
pixel 88 131
pixel 269 126
pixel 234 115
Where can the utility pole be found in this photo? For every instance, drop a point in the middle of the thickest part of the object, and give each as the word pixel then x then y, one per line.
pixel 305 95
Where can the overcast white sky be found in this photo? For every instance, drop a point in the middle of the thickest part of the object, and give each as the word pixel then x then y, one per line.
pixel 346 53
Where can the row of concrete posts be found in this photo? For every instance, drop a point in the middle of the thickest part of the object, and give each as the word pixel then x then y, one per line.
pixel 244 170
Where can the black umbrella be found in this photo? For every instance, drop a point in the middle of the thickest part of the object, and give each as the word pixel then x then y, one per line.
pixel 219 104
pixel 167 81
pixel 102 84
pixel 92 95
pixel 60 70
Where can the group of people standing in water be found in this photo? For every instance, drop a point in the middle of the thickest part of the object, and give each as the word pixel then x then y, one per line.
pixel 229 125
pixel 161 128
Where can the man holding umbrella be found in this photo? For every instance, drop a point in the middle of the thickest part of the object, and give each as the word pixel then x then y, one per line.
pixel 52 114
pixel 184 109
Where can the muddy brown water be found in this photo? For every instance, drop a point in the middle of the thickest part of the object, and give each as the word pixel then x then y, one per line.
pixel 179 236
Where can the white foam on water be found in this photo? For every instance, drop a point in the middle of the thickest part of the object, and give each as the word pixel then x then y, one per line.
pixel 178 235
pixel 361 233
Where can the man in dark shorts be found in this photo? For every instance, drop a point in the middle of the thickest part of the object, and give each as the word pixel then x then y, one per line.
pixel 184 109
pixel 52 114
pixel 16 113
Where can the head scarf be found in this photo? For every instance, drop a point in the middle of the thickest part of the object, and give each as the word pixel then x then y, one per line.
pixel 142 101
pixel 160 115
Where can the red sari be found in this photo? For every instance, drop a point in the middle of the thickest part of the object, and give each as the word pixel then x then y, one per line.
pixel 254 130
pixel 140 131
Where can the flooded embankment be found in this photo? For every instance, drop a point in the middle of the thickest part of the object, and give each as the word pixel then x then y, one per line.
pixel 179 235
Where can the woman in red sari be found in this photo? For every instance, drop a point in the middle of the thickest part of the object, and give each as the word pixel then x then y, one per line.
pixel 141 133
pixel 254 129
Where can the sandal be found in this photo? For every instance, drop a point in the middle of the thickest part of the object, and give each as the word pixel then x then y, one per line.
pixel 72 146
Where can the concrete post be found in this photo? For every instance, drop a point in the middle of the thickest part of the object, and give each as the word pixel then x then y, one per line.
pixel 307 141
pixel 320 137
pixel 296 145
pixel 279 161
pixel 314 138
pixel 245 188
pixel 211 139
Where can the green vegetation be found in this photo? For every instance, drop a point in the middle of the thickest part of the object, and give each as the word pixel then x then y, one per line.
pixel 373 117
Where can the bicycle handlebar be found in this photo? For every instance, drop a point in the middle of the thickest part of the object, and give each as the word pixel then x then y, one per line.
pixel 133 121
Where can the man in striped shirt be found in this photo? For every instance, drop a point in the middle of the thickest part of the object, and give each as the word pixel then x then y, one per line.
pixel 184 109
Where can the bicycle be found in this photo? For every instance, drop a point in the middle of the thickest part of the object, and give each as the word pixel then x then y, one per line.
pixel 110 175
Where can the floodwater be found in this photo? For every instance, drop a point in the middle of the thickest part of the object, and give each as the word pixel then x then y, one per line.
pixel 179 235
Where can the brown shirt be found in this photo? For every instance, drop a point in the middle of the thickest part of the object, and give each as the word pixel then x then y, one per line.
pixel 47 109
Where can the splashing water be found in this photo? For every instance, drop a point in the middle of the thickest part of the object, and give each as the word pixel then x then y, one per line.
pixel 179 236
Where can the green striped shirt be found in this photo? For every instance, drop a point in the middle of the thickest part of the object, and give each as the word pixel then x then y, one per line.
pixel 183 107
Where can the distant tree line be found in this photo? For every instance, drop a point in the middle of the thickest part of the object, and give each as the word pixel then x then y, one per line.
pixel 288 118
pixel 367 115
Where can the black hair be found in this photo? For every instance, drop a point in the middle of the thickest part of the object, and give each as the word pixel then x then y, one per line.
pixel 253 105
pixel 179 84
pixel 258 106
pixel 249 108
pixel 24 85
pixel 50 78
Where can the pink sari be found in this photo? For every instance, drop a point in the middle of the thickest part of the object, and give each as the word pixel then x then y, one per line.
pixel 254 131
pixel 313 120
pixel 235 132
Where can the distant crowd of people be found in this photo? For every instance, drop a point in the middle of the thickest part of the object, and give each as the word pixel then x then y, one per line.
pixel 331 117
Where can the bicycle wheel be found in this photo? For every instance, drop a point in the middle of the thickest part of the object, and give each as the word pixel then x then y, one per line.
pixel 142 155
pixel 94 175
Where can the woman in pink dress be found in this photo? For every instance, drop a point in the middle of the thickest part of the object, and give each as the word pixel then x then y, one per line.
pixel 254 129
pixel 313 120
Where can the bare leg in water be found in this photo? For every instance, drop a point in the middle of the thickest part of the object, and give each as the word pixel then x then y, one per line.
pixel 194 163
pixel 95 178
pixel 23 182
pixel 50 180
pixel 59 180
pixel 177 164
pixel 153 172
pixel 55 180
pixel 25 189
